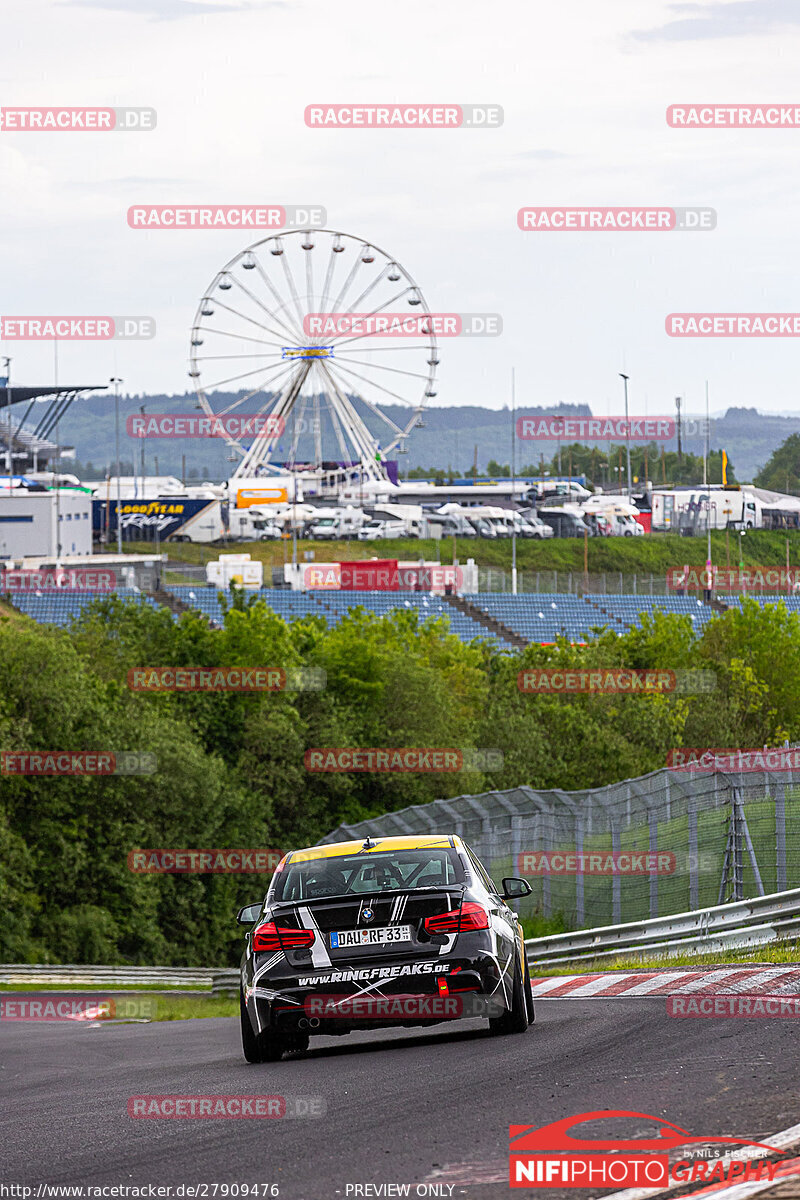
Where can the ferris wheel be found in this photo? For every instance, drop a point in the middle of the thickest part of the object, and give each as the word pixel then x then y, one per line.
pixel 327 337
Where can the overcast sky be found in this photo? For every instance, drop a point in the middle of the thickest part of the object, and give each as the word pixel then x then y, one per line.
pixel 584 87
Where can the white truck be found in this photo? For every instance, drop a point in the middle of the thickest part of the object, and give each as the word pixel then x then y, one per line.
pixel 691 510
pixel 235 568
pixel 331 524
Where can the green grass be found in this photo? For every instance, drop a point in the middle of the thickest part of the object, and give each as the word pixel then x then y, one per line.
pixel 33 986
pixel 185 1008
pixel 653 553
pixel 138 1005
pixel 779 953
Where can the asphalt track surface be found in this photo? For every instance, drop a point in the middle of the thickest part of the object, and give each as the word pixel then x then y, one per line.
pixel 402 1107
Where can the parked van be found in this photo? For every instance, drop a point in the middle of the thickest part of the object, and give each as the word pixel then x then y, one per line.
pixel 565 522
pixel 335 523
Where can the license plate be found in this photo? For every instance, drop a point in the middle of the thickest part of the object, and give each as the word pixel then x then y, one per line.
pixel 370 937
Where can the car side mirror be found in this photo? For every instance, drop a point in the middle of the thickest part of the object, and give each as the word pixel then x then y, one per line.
pixel 515 889
pixel 249 914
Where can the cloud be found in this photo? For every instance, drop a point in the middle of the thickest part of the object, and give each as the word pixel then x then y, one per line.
pixel 127 180
pixel 170 10
pixel 743 18
pixel 542 155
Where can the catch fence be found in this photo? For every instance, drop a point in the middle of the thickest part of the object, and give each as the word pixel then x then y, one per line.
pixel 663 843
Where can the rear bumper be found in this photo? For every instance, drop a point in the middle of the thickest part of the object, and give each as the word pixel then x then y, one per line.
pixel 453 989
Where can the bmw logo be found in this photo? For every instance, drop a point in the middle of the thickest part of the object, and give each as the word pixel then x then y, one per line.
pixel 367 914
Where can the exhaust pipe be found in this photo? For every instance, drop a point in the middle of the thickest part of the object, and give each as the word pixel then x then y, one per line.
pixel 313 1022
pixel 302 1023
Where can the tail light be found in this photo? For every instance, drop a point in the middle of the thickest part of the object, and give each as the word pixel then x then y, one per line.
pixel 270 937
pixel 461 920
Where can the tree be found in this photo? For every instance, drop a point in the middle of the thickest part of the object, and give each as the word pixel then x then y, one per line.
pixel 497 471
pixel 782 471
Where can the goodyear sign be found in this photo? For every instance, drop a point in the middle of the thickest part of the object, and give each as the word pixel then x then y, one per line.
pixel 164 516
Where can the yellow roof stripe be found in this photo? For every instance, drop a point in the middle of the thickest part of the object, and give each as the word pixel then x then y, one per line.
pixel 342 849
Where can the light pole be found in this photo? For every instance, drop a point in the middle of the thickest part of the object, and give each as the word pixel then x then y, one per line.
pixel 141 410
pixel 10 459
pixel 116 382
pixel 708 493
pixel 513 479
pixel 625 379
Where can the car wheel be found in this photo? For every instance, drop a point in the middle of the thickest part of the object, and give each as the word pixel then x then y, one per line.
pixel 515 1020
pixel 265 1046
pixel 529 995
pixel 250 1043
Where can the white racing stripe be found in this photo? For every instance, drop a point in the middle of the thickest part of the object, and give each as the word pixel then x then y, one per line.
pixel 319 951
pixel 267 966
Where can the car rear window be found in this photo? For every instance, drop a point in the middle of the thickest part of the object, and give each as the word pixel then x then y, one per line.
pixel 368 872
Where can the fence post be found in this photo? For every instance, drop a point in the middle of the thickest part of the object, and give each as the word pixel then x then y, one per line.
pixel 616 881
pixel 781 883
pixel 694 883
pixel 738 865
pixel 653 835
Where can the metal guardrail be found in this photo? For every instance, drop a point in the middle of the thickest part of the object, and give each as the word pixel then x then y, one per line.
pixel 226 982
pixel 745 923
pixel 755 922
pixel 189 978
